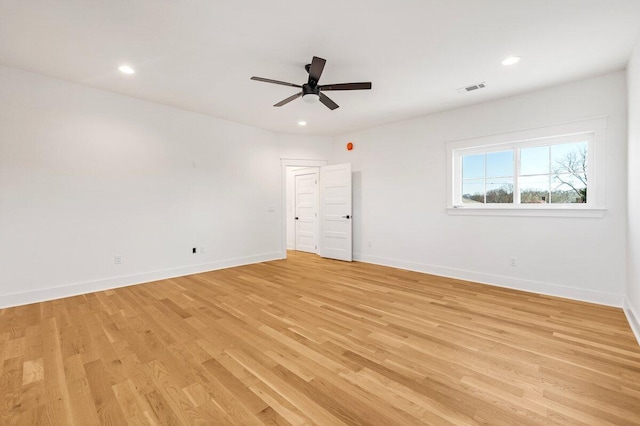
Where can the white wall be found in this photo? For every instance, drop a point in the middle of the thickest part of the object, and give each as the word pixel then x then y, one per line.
pixel 86 175
pixel 400 199
pixel 304 147
pixel 633 241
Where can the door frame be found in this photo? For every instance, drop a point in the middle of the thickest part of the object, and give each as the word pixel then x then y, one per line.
pixel 284 163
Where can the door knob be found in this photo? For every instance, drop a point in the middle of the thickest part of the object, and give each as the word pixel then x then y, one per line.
pixel 296 217
pixel 346 217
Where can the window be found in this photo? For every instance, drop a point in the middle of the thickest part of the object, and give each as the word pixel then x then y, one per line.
pixel 553 169
pixel 539 174
pixel 488 177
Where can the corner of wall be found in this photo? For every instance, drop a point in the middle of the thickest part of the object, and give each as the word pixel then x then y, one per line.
pixel 633 318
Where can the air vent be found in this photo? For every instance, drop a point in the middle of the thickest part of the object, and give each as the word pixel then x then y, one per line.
pixel 472 88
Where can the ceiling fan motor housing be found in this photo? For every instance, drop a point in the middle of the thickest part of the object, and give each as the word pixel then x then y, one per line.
pixel 308 89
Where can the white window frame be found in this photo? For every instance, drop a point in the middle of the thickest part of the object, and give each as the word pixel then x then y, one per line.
pixel 593 131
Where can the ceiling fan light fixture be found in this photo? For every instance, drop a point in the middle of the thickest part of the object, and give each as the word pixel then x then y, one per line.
pixel 311 98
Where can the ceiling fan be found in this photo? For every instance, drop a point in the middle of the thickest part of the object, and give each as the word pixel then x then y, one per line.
pixel 312 92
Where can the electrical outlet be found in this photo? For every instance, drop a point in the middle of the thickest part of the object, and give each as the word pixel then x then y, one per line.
pixel 513 261
pixel 193 250
pixel 117 260
pixel 370 243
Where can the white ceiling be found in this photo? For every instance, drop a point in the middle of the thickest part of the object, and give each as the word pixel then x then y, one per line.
pixel 199 55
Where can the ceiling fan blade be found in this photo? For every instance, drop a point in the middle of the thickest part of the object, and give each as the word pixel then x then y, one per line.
pixel 289 99
pixel 346 86
pixel 268 80
pixel 315 71
pixel 328 102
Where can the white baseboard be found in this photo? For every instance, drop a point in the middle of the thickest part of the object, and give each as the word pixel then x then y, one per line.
pixel 41 295
pixel 602 298
pixel 633 318
pixel 592 296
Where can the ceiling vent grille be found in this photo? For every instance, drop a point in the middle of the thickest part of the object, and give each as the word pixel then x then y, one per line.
pixel 472 87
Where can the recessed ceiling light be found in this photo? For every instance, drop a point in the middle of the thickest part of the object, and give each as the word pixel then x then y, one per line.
pixel 302 123
pixel 511 60
pixel 126 69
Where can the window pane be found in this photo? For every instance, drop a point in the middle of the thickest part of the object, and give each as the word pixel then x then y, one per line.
pixel 500 190
pixel 568 188
pixel 534 189
pixel 534 161
pixel 473 191
pixel 500 164
pixel 570 158
pixel 473 166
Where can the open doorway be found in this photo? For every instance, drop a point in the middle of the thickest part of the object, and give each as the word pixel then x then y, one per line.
pixel 319 196
pixel 303 202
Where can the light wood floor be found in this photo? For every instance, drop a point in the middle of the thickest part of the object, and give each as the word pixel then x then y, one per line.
pixel 309 340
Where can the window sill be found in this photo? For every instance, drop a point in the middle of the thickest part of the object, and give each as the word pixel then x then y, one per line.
pixel 527 211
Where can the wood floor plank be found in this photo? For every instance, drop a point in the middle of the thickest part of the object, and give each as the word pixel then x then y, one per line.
pixel 313 341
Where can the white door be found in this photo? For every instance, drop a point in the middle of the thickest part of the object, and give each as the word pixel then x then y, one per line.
pixel 306 209
pixel 335 209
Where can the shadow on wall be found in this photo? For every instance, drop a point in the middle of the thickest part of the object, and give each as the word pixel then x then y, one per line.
pixel 356 199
